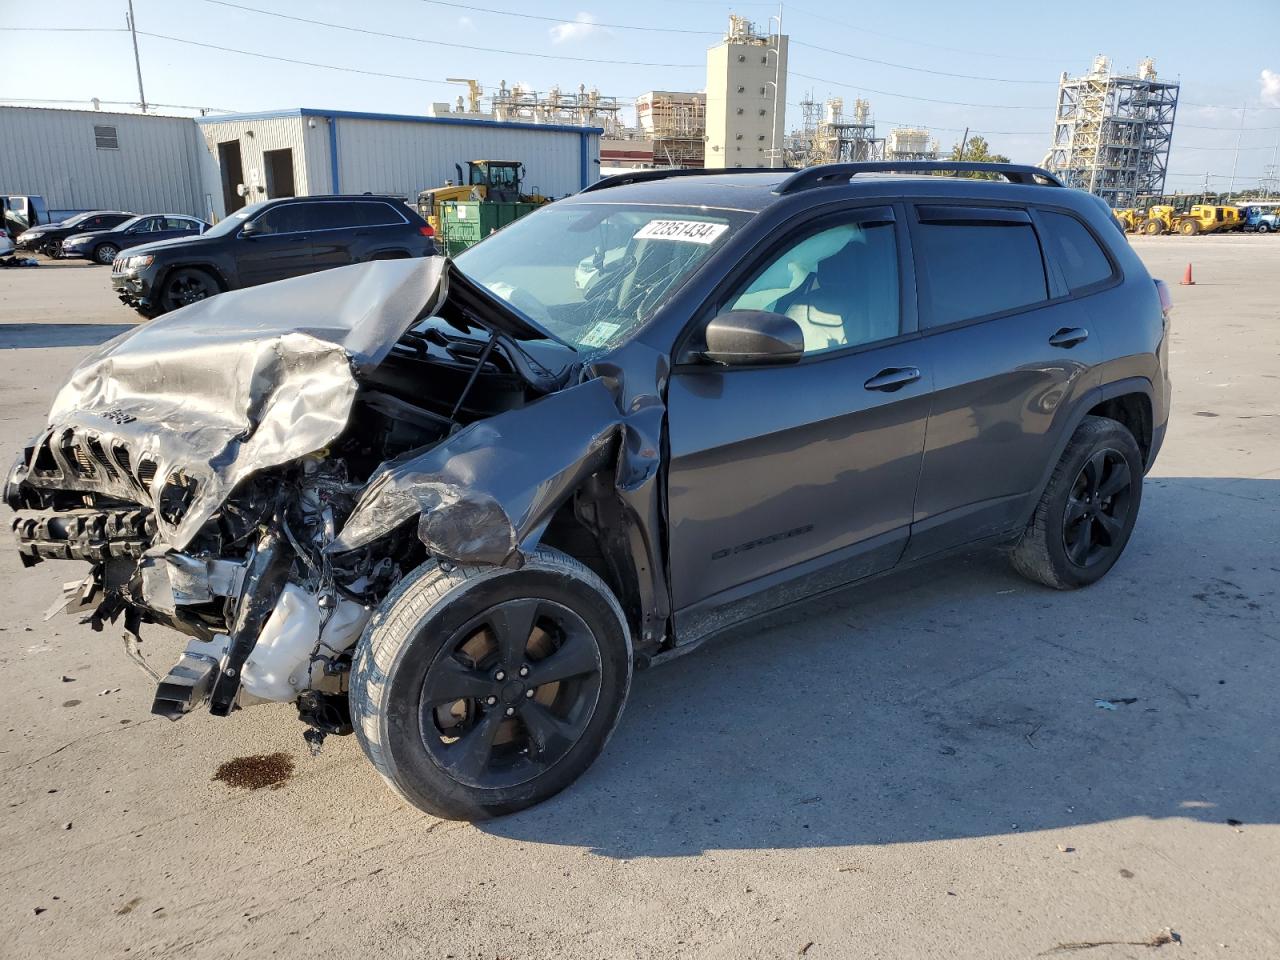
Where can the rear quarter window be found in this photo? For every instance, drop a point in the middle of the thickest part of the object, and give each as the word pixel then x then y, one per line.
pixel 1070 244
pixel 975 269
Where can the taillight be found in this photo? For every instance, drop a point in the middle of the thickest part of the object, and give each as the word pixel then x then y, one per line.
pixel 426 230
pixel 1166 299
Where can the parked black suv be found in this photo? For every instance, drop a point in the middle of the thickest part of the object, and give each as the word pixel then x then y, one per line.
pixel 47 238
pixel 269 241
pixel 449 505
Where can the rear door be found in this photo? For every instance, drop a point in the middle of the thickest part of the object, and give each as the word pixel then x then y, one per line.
pixel 334 228
pixel 280 248
pixel 1010 350
pixel 788 480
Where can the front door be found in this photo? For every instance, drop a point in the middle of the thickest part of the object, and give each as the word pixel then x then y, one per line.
pixel 1011 351
pixel 788 480
pixel 279 248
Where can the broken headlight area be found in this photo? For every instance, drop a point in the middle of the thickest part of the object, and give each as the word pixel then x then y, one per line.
pixel 259 479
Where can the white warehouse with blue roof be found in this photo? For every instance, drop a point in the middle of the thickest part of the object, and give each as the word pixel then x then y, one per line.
pixel 209 166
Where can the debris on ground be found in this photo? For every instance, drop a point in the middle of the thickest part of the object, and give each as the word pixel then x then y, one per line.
pixel 1161 939
pixel 39 910
pixel 66 679
pixel 256 771
pixel 67 825
pixel 1115 702
pixel 1127 874
pixel 128 907
pixel 805 948
pixel 1063 848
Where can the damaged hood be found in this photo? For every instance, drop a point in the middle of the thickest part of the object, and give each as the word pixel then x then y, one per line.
pixel 179 410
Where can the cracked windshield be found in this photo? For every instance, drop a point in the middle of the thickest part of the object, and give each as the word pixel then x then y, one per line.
pixel 592 274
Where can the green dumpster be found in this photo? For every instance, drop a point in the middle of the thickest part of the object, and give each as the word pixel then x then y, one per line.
pixel 466 222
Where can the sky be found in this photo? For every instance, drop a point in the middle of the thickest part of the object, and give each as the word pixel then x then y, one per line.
pixel 902 57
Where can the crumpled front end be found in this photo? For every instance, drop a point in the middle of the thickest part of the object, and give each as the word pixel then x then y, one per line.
pixel 258 471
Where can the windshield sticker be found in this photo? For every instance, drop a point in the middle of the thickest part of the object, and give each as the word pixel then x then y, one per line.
pixel 599 335
pixel 686 231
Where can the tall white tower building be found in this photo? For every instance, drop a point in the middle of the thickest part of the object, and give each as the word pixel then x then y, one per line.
pixel 746 98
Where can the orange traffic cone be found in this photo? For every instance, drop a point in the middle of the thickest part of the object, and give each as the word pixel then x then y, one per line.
pixel 1186 278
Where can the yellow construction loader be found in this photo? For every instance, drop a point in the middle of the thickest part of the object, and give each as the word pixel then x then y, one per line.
pixel 486 180
pixel 1199 218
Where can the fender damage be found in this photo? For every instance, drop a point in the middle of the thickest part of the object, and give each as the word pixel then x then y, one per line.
pixel 258 470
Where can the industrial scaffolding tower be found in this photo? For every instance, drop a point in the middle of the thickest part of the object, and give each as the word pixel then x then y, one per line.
pixel 1112 133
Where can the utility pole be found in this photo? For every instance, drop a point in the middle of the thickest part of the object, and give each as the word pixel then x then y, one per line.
pixel 137 61
pixel 964 142
pixel 777 79
pixel 1236 160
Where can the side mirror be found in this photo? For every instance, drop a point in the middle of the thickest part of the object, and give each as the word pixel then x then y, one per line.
pixel 250 229
pixel 753 338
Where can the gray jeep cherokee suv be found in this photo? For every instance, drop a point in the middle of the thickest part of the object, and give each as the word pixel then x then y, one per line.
pixel 449 506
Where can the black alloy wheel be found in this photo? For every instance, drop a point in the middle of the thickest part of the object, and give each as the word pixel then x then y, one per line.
pixel 510 693
pixel 1097 513
pixel 187 287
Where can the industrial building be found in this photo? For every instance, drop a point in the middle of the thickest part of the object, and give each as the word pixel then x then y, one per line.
pixel 209 166
pixel 829 135
pixel 95 160
pixel 676 122
pixel 304 151
pixel 1112 132
pixel 746 98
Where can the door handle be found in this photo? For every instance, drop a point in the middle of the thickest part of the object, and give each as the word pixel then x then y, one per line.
pixel 1068 337
pixel 893 378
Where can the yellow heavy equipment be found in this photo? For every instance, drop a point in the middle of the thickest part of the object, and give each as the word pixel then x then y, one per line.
pixel 1198 218
pixel 486 180
pixel 1130 218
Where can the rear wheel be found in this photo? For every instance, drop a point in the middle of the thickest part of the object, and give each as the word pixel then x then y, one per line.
pixel 104 253
pixel 1263 228
pixel 479 691
pixel 187 286
pixel 1153 228
pixel 1087 512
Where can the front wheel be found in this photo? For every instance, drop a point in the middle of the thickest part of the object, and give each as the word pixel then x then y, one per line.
pixel 1263 228
pixel 1086 513
pixel 479 691
pixel 105 253
pixel 187 286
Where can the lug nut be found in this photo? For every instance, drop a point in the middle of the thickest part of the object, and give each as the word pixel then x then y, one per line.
pixel 529 693
pixel 499 676
pixel 524 671
pixel 511 711
pixel 491 701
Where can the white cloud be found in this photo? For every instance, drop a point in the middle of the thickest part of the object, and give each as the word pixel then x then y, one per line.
pixel 582 26
pixel 1270 87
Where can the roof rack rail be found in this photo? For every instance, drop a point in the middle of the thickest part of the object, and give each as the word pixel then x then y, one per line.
pixel 645 176
pixel 829 174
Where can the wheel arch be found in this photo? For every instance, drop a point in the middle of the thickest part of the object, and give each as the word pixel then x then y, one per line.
pixel 205 266
pixel 1132 397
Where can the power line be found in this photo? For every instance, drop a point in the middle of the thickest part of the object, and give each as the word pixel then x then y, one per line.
pixel 65 29
pixel 922 43
pixel 899 66
pixel 304 63
pixel 470 8
pixel 903 96
pixel 443 43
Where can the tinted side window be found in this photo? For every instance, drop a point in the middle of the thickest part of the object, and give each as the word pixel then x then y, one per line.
pixel 972 269
pixel 1075 250
pixel 289 218
pixel 373 214
pixel 839 284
